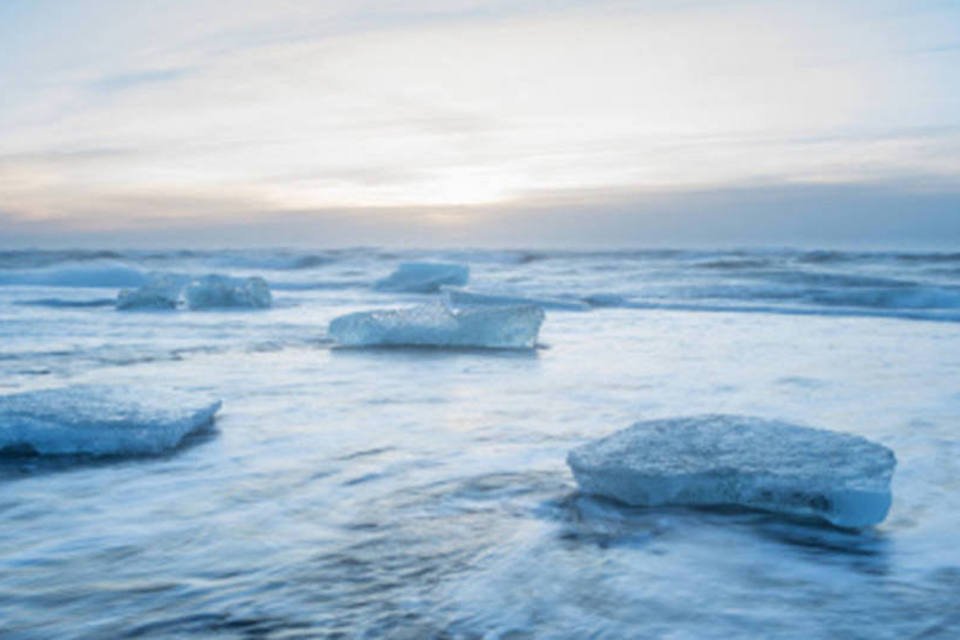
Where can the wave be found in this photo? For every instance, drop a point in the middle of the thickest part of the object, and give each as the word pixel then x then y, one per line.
pixel 105 274
pixel 932 315
pixel 62 303
pixel 25 259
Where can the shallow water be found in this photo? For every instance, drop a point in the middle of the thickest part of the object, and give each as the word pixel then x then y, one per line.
pixel 424 493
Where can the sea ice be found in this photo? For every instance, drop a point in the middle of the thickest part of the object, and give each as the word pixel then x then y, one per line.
pixel 221 292
pixel 437 325
pixel 160 291
pixel 424 277
pixel 738 460
pixel 170 291
pixel 101 420
pixel 465 298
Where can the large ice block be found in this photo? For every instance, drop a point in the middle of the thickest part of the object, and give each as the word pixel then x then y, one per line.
pixel 101 420
pixel 469 298
pixel 739 460
pixel 437 325
pixel 160 291
pixel 174 291
pixel 222 292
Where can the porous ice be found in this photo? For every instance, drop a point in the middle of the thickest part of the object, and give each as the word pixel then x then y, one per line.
pixel 171 291
pixel 160 291
pixel 738 460
pixel 424 277
pixel 455 297
pixel 101 420
pixel 221 292
pixel 437 325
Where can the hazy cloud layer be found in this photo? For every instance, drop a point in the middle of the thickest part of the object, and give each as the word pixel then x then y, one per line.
pixel 453 119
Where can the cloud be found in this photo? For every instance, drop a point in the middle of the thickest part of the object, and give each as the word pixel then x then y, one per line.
pixel 852 215
pixel 115 118
pixel 133 79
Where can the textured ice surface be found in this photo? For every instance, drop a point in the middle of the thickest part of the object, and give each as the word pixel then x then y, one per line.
pixel 101 420
pixel 221 292
pixel 161 291
pixel 424 277
pixel 738 460
pixel 437 325
pixel 466 297
pixel 169 291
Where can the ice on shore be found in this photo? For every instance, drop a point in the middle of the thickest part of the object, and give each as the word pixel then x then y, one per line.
pixel 424 277
pixel 438 325
pixel 170 291
pixel 466 297
pixel 101 420
pixel 737 460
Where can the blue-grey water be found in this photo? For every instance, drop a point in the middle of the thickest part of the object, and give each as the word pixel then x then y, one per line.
pixel 424 493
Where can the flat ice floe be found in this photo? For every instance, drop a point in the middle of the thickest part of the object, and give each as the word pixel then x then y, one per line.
pixel 172 291
pixel 737 460
pixel 467 297
pixel 424 277
pixel 438 325
pixel 101 420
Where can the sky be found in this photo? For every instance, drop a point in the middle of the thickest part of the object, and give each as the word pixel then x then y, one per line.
pixel 460 122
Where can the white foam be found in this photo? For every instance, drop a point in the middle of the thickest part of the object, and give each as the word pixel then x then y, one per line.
pixel 738 460
pixel 424 277
pixel 101 420
pixel 437 325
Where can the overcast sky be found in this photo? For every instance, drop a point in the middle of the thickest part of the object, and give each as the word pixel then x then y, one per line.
pixel 441 122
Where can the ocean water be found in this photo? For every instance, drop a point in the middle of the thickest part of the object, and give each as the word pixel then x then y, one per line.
pixel 423 493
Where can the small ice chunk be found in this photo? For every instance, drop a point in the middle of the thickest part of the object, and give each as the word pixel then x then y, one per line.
pixel 171 291
pixel 437 325
pixel 424 277
pixel 466 297
pixel 160 291
pixel 738 460
pixel 101 420
pixel 221 292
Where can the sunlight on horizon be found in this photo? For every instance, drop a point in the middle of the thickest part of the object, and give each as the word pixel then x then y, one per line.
pixel 137 116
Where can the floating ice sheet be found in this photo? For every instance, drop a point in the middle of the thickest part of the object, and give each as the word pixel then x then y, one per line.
pixel 466 297
pixel 161 291
pixel 221 292
pixel 437 325
pixel 101 420
pixel 424 277
pixel 738 460
pixel 171 291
